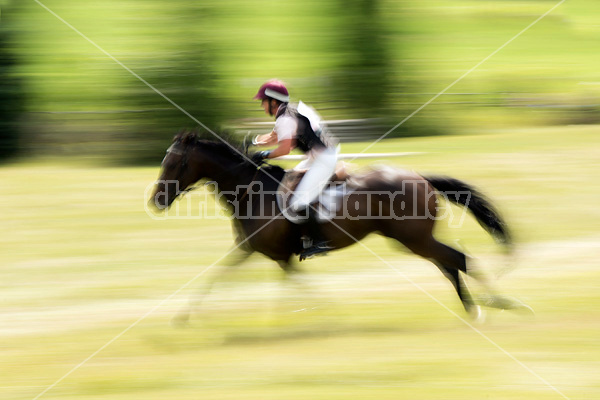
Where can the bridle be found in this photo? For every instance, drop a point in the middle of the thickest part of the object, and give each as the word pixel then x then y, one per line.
pixel 184 163
pixel 178 152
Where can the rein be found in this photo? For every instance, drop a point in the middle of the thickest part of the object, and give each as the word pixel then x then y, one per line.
pixel 248 187
pixel 184 162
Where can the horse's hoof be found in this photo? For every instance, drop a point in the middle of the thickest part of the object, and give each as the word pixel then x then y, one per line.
pixel 524 308
pixel 505 303
pixel 513 304
pixel 477 314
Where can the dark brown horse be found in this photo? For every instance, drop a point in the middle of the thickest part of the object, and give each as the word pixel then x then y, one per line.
pixel 398 204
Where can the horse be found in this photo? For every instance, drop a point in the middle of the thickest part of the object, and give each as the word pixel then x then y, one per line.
pixel 384 200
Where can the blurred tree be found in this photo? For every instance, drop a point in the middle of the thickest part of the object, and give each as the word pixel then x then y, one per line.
pixel 188 76
pixel 11 96
pixel 365 62
pixel 373 68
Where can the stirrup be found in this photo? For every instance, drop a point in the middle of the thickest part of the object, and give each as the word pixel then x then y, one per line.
pixel 320 248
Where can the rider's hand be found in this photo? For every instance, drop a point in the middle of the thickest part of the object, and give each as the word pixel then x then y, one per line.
pixel 258 158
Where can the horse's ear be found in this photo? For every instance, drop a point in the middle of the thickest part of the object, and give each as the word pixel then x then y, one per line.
pixel 190 137
pixel 180 135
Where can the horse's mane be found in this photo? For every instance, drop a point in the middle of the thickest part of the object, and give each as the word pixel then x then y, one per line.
pixel 229 148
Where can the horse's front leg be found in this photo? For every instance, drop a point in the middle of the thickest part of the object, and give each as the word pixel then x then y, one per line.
pixel 236 257
pixel 296 292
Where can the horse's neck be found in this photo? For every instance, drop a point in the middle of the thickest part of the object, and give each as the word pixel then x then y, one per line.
pixel 231 174
pixel 229 178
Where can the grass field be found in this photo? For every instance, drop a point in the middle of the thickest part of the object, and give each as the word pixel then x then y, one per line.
pixel 82 262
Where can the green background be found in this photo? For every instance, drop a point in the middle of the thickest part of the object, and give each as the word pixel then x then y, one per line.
pixel 84 266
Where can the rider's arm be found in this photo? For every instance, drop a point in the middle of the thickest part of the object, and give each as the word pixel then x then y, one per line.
pixel 285 146
pixel 284 135
pixel 268 139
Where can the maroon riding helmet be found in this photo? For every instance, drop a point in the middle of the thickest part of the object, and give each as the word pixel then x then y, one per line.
pixel 274 89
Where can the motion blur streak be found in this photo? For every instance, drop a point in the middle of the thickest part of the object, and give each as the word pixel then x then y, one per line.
pixel 460 78
pixel 81 139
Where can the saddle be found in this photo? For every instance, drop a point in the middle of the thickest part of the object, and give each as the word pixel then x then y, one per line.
pixel 326 204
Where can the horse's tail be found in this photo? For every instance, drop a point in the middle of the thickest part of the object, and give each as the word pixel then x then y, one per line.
pixel 486 214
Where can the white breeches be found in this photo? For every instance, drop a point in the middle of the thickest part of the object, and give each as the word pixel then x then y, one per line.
pixel 321 167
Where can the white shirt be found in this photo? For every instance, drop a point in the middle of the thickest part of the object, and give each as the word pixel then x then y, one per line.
pixel 285 127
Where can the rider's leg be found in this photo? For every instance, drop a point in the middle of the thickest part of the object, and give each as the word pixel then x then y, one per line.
pixel 315 179
pixel 308 190
pixel 314 230
pixel 319 243
pixel 342 170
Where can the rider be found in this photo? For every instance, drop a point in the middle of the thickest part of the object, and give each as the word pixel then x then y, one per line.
pixel 299 127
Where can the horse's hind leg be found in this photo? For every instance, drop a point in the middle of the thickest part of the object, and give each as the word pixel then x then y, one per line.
pixel 457 281
pixel 451 262
pixel 463 292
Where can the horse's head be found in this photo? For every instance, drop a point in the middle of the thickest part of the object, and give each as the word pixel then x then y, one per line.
pixel 190 159
pixel 177 173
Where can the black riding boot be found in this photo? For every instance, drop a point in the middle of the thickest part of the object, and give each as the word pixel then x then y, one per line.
pixel 319 244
